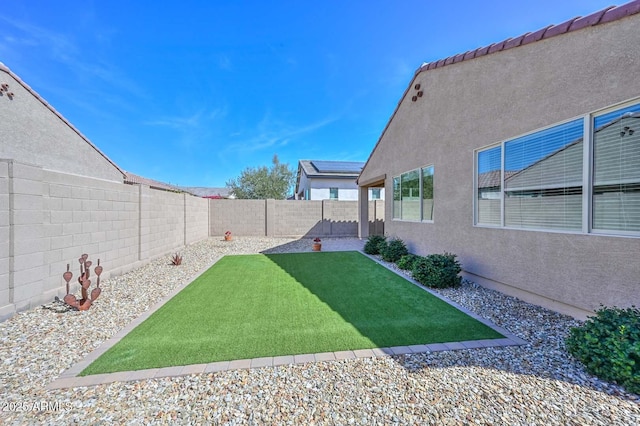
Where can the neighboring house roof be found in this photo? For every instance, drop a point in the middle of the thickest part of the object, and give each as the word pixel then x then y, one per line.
pixel 333 169
pixel 328 169
pixel 4 68
pixel 206 192
pixel 492 179
pixel 610 14
pixel 133 179
pixel 566 151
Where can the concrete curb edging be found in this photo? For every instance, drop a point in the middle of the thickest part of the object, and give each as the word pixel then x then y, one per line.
pixel 70 378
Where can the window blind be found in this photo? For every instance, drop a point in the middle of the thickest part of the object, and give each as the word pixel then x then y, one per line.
pixel 543 178
pixel 616 170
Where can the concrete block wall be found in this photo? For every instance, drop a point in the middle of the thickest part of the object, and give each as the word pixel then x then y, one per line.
pixel 196 219
pixel 339 218
pixel 161 222
pixel 48 219
pixel 376 217
pixel 280 218
pixel 5 230
pixel 241 217
pixel 27 268
pixel 92 216
pixel 295 218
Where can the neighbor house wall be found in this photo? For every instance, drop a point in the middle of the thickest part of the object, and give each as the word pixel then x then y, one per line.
pixel 280 218
pixel 489 99
pixel 33 132
pixel 48 219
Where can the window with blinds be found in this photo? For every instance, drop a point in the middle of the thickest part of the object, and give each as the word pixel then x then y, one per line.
pixel 543 179
pixel 616 170
pixel 537 181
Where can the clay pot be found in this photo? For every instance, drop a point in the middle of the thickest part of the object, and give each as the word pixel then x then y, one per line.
pixel 317 247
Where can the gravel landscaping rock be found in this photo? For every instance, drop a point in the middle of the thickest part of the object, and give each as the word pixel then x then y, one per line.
pixel 537 383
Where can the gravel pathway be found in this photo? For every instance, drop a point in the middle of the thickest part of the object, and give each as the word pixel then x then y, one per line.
pixel 537 383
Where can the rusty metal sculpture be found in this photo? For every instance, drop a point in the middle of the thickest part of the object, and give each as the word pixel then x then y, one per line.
pixel 87 298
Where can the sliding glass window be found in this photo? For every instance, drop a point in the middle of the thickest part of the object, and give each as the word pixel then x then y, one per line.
pixel 543 180
pixel 413 195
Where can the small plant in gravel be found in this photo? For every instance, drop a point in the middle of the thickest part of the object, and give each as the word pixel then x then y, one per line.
pixel 437 270
pixel 374 243
pixel 406 262
pixel 176 259
pixel 609 346
pixel 394 250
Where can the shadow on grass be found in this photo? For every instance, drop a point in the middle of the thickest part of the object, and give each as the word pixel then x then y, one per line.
pixel 379 304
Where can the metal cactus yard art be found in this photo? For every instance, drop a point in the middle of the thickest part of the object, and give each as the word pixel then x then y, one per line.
pixel 87 298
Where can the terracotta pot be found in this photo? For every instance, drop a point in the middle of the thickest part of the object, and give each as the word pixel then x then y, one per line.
pixel 227 237
pixel 317 247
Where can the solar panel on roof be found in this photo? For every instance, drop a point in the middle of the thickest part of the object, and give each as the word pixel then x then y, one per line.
pixel 338 166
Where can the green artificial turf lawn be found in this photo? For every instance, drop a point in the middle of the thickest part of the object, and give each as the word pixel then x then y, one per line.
pixel 251 306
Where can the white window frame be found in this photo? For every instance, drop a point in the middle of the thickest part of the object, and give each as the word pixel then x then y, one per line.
pixel 587 177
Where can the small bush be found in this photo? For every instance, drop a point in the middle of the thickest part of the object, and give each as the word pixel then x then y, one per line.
pixel 437 270
pixel 609 346
pixel 394 250
pixel 373 244
pixel 406 262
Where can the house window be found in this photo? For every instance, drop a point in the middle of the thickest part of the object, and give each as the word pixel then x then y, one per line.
pixel 489 186
pixel 540 181
pixel 410 195
pixel 375 194
pixel 427 193
pixel 616 170
pixel 543 179
pixel 333 193
pixel 413 195
pixel 397 203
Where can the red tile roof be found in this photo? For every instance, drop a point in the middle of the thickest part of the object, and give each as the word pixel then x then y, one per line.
pixel 609 14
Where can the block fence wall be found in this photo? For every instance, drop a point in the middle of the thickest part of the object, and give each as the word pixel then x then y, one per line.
pixel 48 219
pixel 286 218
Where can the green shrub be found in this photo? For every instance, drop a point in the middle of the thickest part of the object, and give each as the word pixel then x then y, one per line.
pixel 609 346
pixel 406 262
pixel 394 250
pixel 374 243
pixel 437 270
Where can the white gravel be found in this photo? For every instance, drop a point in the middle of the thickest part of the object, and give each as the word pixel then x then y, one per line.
pixel 538 383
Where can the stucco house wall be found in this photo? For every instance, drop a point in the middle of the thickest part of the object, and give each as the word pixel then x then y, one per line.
pixel 33 132
pixel 474 103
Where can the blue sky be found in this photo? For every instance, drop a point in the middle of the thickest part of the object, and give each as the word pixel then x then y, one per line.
pixel 193 92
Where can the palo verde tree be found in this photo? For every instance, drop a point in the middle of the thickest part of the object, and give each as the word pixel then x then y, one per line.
pixel 263 182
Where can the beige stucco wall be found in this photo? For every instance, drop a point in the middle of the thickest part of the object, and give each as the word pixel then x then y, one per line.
pixel 32 133
pixel 483 101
